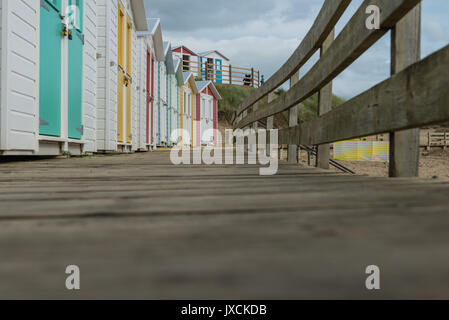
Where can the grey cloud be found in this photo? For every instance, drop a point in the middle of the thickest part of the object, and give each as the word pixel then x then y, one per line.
pixel 200 14
pixel 263 34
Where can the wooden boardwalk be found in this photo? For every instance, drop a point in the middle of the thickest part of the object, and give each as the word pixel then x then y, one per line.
pixel 139 227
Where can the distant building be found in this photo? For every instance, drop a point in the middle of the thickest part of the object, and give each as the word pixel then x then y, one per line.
pixel 208 65
pixel 188 57
pixel 212 64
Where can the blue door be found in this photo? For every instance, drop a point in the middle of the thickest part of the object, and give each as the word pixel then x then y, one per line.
pixel 167 113
pixel 218 70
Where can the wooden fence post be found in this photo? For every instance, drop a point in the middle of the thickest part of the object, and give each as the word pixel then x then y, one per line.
pixel 292 152
pixel 324 106
pixel 405 50
pixel 254 126
pixel 244 114
pixel 252 77
pixel 230 74
pixel 445 140
pixel 270 124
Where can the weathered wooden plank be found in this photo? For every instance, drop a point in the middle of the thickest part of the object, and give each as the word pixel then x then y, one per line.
pixel 214 257
pixel 351 43
pixel 405 50
pixel 328 17
pixel 270 125
pixel 136 219
pixel 415 97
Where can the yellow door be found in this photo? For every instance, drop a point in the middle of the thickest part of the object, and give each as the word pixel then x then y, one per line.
pixel 128 89
pixel 121 75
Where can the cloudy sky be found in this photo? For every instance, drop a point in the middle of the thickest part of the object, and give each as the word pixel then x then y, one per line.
pixel 264 33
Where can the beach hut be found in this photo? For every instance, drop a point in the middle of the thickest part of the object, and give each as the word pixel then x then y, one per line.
pixel 117 99
pixel 178 82
pixel 188 57
pixel 170 86
pixel 150 49
pixel 144 83
pixel 48 77
pixel 207 113
pixel 212 64
pixel 151 52
pixel 188 105
pixel 161 103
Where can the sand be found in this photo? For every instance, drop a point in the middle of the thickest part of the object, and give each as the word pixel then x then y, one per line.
pixel 433 164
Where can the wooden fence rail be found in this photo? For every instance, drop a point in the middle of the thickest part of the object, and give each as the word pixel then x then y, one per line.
pixel 437 140
pixel 226 74
pixel 416 94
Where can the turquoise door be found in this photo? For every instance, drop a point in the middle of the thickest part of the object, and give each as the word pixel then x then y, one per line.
pixel 167 114
pixel 50 68
pixel 75 71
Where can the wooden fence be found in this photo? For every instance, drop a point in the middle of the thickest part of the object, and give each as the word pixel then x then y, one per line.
pixel 223 73
pixel 415 95
pixel 437 140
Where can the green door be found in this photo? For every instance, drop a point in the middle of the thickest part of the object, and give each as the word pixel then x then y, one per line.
pixel 75 71
pixel 50 68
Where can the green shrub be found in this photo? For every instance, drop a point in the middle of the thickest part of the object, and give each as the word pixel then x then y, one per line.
pixel 233 96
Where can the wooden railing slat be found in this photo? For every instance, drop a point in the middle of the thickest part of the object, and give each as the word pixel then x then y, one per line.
pixel 329 15
pixel 324 106
pixel 352 42
pixel 405 50
pixel 415 97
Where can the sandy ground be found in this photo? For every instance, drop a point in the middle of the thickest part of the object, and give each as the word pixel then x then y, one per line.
pixel 433 164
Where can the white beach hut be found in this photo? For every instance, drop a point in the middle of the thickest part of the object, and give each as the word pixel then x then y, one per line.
pixel 207 113
pixel 188 106
pixel 117 102
pixel 47 77
pixel 177 83
pixel 151 51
